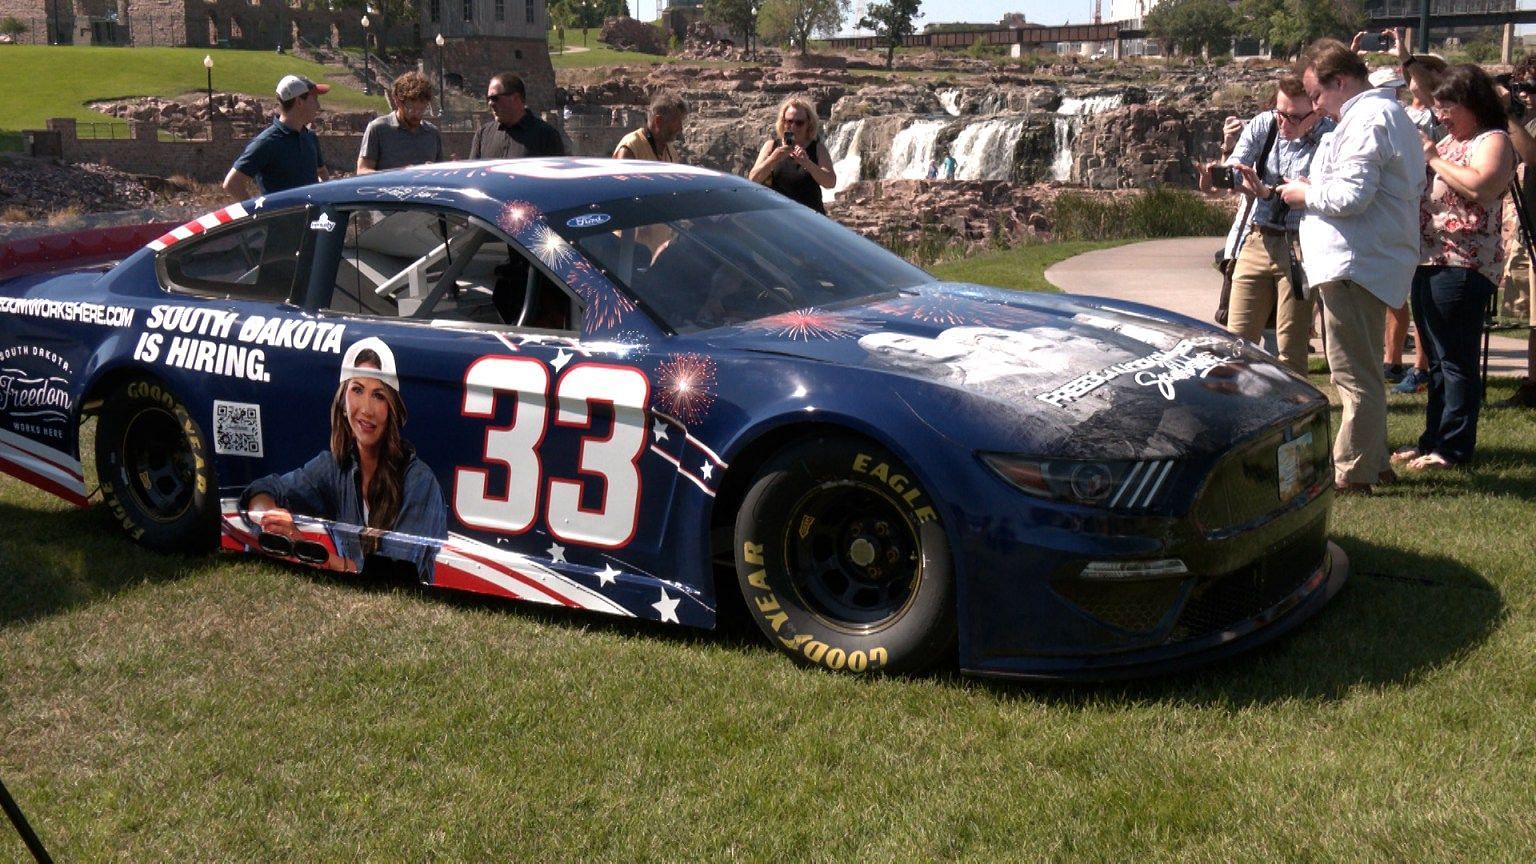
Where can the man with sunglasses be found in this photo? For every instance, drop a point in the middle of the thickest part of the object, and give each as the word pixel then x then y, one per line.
pixel 286 154
pixel 513 132
pixel 1275 145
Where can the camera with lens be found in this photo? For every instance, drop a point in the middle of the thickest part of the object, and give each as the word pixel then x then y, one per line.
pixel 1507 81
pixel 1225 177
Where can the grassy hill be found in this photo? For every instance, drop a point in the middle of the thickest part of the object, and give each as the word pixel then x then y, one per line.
pixel 78 76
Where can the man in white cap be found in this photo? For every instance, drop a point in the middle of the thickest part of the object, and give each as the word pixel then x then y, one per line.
pixel 286 154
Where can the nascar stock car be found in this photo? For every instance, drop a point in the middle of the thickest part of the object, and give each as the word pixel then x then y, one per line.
pixel 639 389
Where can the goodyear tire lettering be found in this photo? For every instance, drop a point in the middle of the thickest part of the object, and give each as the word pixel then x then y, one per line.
pixel 794 561
pixel 152 462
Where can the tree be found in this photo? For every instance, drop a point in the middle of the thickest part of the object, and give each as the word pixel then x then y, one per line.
pixel 892 23
pixel 1192 26
pixel 1291 25
pixel 382 15
pixel 796 20
pixel 1251 18
pixel 736 15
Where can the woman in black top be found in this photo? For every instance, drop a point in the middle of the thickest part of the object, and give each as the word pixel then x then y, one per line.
pixel 795 163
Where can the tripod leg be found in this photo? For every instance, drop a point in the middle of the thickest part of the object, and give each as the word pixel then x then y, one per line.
pixel 34 845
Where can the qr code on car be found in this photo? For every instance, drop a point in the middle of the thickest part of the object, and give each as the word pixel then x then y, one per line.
pixel 236 428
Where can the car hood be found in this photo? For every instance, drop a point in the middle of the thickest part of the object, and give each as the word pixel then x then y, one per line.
pixel 1152 383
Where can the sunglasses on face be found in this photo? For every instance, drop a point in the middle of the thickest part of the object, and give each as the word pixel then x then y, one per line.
pixel 283 546
pixel 797 121
pixel 1295 118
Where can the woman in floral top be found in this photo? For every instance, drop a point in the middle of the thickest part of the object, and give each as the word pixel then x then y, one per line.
pixel 1459 221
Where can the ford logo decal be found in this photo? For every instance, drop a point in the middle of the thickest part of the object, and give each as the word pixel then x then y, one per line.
pixel 589 220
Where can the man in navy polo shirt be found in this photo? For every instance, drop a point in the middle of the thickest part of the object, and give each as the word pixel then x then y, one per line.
pixel 287 153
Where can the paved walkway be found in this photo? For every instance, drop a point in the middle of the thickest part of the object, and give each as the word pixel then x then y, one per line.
pixel 1177 274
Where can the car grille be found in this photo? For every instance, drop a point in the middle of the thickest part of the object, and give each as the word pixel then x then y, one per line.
pixel 1134 606
pixel 1209 604
pixel 1245 486
pixel 1249 591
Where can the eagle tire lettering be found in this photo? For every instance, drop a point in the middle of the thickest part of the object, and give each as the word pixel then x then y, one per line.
pixel 152 460
pixel 842 561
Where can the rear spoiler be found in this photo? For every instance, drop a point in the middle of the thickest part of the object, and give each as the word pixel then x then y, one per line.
pixel 30 255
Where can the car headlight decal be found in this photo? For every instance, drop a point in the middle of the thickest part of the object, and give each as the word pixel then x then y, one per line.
pixel 1129 485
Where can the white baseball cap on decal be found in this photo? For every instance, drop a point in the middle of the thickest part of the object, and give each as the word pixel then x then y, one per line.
pixel 386 371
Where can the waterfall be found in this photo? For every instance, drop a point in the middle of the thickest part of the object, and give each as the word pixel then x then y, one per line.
pixel 950 99
pixel 843 147
pixel 912 149
pixel 1069 118
pixel 985 149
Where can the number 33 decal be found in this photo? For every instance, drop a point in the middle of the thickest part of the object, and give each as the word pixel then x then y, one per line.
pixel 612 462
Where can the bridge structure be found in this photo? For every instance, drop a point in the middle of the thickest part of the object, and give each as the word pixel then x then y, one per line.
pixel 1379 14
pixel 1448 15
pixel 1026 37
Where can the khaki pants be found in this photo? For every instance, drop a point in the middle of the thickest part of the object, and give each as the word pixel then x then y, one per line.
pixel 1261 281
pixel 1352 319
pixel 1519 279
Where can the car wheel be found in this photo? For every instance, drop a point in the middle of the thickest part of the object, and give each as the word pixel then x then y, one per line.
pixel 155 472
pixel 842 561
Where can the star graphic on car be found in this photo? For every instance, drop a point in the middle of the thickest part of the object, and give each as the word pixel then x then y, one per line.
pixel 667 606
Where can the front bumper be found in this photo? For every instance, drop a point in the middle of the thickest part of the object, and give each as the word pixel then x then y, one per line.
pixel 1238 554
pixel 1205 641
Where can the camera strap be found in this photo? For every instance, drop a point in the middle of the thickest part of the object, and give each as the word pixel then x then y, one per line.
pixel 1248 202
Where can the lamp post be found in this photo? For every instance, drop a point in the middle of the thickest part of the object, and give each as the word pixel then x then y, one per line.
pixel 752 37
pixel 584 7
pixel 442 94
pixel 367 77
pixel 208 65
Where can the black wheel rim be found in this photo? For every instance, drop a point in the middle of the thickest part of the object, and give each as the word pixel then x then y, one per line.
pixel 161 471
pixel 853 555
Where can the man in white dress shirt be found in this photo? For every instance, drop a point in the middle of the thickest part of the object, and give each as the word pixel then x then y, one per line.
pixel 1359 243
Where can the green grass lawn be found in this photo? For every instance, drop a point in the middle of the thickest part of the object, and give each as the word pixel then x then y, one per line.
pixel 75 76
pixel 597 54
pixel 1022 267
pixel 159 708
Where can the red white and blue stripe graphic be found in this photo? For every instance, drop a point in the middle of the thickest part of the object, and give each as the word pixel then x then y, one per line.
pixel 698 464
pixel 469 565
pixel 199 225
pixel 42 466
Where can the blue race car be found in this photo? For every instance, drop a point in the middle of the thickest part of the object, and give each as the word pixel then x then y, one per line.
pixel 640 388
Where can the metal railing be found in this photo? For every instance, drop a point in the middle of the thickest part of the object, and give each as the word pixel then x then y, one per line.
pixel 103 131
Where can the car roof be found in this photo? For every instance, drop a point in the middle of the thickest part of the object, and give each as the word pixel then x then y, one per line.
pixel 484 187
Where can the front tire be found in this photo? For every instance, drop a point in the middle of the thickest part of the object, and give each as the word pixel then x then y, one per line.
pixel 156 475
pixel 842 560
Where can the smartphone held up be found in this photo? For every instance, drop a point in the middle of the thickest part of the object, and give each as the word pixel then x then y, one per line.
pixel 1375 42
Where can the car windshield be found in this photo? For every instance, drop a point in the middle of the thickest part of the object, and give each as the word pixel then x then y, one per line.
pixel 706 259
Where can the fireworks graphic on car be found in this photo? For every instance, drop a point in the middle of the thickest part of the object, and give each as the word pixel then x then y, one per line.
pixel 605 307
pixel 687 386
pixel 933 310
pixel 516 215
pixel 550 247
pixel 808 324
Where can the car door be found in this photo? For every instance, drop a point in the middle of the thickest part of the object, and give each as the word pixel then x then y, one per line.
pixel 541 442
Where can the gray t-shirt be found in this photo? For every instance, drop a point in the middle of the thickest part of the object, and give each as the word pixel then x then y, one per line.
pixel 390 146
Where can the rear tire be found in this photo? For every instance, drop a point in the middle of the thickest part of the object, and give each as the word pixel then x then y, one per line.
pixel 156 475
pixel 842 561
